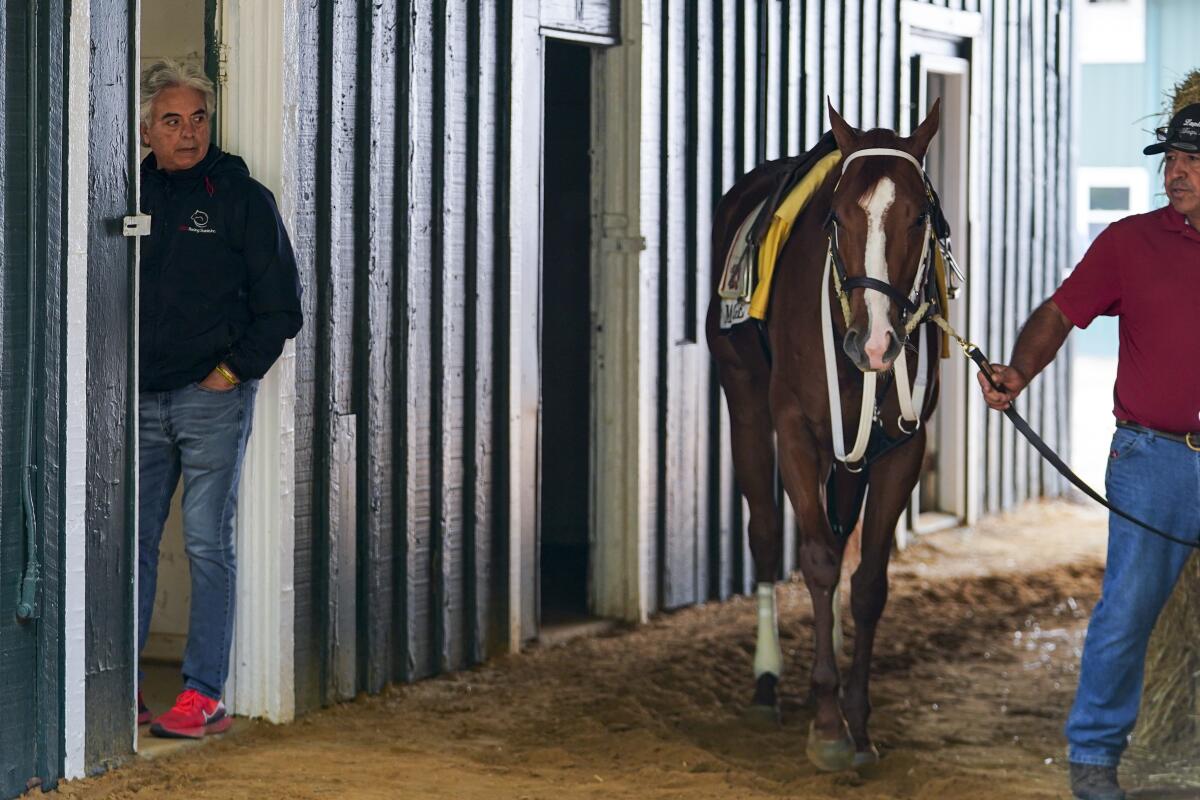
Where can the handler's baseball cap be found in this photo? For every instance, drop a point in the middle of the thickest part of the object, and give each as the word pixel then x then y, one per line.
pixel 1183 133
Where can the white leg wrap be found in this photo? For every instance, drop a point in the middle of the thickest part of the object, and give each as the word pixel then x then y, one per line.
pixel 768 656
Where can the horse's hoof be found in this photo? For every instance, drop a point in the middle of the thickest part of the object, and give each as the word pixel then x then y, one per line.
pixel 866 758
pixel 829 755
pixel 763 717
pixel 766 692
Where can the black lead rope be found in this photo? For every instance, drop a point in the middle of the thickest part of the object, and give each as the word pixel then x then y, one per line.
pixel 1048 453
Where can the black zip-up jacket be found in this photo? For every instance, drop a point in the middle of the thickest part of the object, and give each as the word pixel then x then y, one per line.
pixel 218 276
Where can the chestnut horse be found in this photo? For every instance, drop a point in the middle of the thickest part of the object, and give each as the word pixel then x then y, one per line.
pixel 874 222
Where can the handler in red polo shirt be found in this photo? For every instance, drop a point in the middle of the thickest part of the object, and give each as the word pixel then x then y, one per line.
pixel 1144 270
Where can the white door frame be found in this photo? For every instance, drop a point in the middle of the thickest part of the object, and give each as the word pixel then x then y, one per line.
pixel 951 413
pixel 622 356
pixel 259 46
pixel 967 27
pixel 624 363
pixel 74 601
pixel 524 391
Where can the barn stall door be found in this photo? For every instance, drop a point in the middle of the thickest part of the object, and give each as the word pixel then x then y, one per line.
pixel 940 497
pixel 566 408
pixel 553 393
pixel 566 428
pixel 169 29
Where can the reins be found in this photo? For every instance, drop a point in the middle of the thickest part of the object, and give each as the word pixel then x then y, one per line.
pixel 1047 452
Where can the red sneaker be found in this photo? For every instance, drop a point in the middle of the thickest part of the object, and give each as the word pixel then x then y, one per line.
pixel 144 715
pixel 193 717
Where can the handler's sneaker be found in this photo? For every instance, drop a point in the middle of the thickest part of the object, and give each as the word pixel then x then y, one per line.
pixel 1094 782
pixel 193 717
pixel 144 715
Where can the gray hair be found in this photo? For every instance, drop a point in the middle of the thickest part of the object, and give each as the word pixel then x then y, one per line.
pixel 167 73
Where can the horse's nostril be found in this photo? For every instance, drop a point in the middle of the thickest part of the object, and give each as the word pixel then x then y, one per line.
pixel 852 344
pixel 894 346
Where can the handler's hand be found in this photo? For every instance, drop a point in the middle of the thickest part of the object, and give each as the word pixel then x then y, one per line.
pixel 1009 379
pixel 216 382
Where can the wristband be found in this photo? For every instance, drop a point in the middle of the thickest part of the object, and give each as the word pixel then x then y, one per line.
pixel 227 374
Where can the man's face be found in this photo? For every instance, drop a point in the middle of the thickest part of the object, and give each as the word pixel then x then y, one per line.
pixel 1181 178
pixel 178 132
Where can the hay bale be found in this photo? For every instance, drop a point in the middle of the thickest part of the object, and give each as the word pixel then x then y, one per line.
pixel 1184 93
pixel 1171 700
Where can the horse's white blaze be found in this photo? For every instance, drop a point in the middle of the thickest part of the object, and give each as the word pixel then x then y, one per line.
pixel 768 655
pixel 876 204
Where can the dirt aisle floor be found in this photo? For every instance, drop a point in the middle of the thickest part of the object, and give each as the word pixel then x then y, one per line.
pixel 975 668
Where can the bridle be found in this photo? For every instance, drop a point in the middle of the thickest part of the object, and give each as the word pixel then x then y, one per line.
pixel 846 284
pixel 910 312
pixel 911 400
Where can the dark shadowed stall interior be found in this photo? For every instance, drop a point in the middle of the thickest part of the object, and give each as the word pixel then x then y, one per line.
pixel 565 333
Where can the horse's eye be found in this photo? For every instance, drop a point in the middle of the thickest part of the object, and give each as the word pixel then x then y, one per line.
pixel 921 218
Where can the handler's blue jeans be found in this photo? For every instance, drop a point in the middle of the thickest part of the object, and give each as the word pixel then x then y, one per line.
pixel 1156 480
pixel 202 435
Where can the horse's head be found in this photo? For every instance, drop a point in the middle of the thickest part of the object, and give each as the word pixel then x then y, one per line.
pixel 879 226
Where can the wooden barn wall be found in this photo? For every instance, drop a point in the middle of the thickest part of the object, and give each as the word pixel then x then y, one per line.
pixel 110 560
pixel 400 496
pixel 730 84
pixel 400 250
pixel 32 298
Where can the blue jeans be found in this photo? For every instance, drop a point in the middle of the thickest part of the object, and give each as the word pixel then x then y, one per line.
pixel 1156 480
pixel 200 434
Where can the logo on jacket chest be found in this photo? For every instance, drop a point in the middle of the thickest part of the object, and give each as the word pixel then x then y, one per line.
pixel 199 220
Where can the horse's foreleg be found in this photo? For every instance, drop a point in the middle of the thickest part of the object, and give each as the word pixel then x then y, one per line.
pixel 753 451
pixel 843 502
pixel 869 586
pixel 766 534
pixel 829 744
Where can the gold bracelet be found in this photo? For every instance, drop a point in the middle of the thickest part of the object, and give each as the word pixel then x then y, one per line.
pixel 227 375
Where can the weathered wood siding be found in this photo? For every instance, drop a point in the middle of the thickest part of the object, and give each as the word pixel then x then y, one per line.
pixel 32 308
pixel 111 556
pixel 402 554
pixel 397 370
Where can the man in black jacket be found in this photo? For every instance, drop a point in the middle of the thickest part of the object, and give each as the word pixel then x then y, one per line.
pixel 219 297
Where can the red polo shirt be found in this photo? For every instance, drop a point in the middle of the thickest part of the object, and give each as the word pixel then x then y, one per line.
pixel 1145 270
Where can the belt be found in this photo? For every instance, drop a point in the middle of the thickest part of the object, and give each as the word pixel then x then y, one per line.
pixel 1192 440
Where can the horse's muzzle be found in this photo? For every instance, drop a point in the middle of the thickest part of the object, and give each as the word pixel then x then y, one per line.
pixel 876 354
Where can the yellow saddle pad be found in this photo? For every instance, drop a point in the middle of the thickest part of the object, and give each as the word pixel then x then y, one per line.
pixel 745 287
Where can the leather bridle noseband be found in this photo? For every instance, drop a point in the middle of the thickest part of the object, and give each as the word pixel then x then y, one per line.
pixel 848 284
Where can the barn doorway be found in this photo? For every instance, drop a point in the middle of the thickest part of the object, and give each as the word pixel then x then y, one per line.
pixel 565 337
pixel 173 29
pixel 939 500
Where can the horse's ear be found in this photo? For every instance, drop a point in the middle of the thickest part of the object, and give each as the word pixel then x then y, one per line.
pixel 847 137
pixel 919 142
